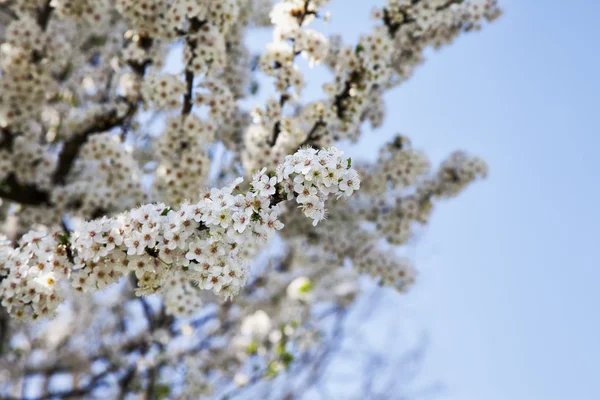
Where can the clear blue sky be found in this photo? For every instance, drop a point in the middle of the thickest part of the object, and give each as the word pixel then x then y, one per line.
pixel 508 287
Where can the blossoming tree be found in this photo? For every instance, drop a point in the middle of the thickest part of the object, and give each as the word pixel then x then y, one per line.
pixel 161 239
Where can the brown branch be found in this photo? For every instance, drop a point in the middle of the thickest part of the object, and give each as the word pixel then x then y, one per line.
pixel 71 148
pixel 95 382
pixel 276 132
pixel 24 194
pixel 345 94
pixel 312 134
pixel 31 194
pixel 44 15
pixel 187 97
pixel 7 140
pixel 195 26
pixel 126 381
pixel 150 395
pixel 4 330
pixel 4 8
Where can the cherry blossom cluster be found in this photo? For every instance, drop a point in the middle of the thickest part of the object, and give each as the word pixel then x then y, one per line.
pixel 199 241
pixel 395 216
pixel 163 91
pixel 24 84
pixel 183 161
pixel 28 160
pixel 318 173
pixel 343 237
pixel 401 164
pixel 416 25
pixel 396 219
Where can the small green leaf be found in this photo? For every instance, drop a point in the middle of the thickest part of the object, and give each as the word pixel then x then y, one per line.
pixel 252 348
pixel 272 370
pixel 64 239
pixel 162 391
pixel 280 349
pixel 305 288
pixel 287 359
pixel 165 211
pixel 349 162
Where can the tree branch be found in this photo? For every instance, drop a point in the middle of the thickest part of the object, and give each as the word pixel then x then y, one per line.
pixel 24 194
pixel 195 26
pixel 5 9
pixel 71 148
pixel 44 15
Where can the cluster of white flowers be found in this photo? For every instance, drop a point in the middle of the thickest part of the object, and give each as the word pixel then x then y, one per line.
pixel 199 241
pixel 387 267
pixel 458 171
pixel 164 91
pixel 402 165
pixel 400 203
pixel 24 85
pixel 317 174
pixel 342 237
pixel 183 162
pixel 219 99
pixel 148 16
pixel 415 26
pixel 94 13
pixel 290 39
pixel 28 160
pixel 395 221
pixel 206 52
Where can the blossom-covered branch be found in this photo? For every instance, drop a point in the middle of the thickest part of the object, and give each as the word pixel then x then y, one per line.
pixel 200 243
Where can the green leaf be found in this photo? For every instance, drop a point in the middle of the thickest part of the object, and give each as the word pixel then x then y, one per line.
pixel 64 239
pixel 272 370
pixel 307 287
pixel 252 348
pixel 287 359
pixel 165 211
pixel 98 41
pixel 280 349
pixel 162 391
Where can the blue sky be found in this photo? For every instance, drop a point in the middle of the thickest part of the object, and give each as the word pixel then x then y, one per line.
pixel 508 288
